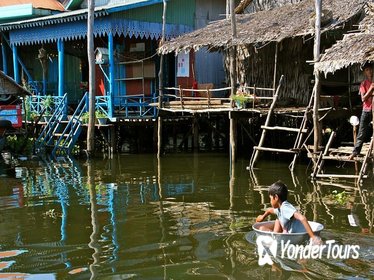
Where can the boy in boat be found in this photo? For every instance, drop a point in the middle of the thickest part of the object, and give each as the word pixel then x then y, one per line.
pixel 289 219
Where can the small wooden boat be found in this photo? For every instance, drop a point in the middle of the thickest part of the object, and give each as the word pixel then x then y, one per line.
pixel 295 238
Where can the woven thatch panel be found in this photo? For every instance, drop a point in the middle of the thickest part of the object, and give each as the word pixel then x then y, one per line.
pixel 355 48
pixel 256 67
pixel 273 25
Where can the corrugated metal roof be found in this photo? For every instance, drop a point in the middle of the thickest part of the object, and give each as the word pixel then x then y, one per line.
pixel 37 4
pixel 51 20
pixel 78 29
pixel 75 15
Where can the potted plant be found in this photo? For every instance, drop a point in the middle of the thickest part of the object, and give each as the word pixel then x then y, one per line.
pixel 101 117
pixel 47 105
pixel 242 98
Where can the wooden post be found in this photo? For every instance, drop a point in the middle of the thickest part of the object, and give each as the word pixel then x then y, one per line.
pixel 159 136
pixel 233 123
pixel 195 132
pixel 275 67
pixel 112 140
pixel 317 85
pixel 91 79
pixel 233 82
pixel 175 137
pixel 161 82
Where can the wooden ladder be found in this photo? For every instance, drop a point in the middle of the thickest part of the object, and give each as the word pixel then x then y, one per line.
pixel 298 142
pixel 318 168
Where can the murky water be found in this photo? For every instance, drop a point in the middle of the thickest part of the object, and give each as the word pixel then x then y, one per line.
pixel 133 217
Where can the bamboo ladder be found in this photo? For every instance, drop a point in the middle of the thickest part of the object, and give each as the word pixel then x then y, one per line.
pixel 298 142
pixel 318 173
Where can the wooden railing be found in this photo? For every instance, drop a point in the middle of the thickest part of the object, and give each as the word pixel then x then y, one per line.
pixel 254 94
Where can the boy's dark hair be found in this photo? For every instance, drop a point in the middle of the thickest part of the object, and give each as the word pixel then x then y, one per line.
pixel 366 65
pixel 280 189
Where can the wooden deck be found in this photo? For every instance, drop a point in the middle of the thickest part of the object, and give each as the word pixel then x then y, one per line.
pixel 205 106
pixel 342 154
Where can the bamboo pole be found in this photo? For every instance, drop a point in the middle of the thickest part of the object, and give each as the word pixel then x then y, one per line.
pixel 233 82
pixel 317 85
pixel 91 79
pixel 161 82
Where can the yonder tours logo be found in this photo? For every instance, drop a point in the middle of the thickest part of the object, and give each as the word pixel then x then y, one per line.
pixel 268 247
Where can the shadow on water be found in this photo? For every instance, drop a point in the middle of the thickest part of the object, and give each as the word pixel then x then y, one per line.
pixel 180 217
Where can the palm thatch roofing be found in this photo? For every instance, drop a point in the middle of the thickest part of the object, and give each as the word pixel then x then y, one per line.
pixel 288 21
pixel 9 87
pixel 355 48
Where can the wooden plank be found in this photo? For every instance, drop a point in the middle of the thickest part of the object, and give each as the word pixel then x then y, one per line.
pixel 195 102
pixel 342 158
pixel 283 128
pixel 274 150
pixel 346 176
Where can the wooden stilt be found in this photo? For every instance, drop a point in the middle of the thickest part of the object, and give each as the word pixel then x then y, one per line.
pixel 174 137
pixel 112 140
pixel 317 84
pixel 159 136
pixel 195 132
pixel 232 138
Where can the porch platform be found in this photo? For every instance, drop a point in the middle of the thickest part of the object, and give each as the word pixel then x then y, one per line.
pixel 342 154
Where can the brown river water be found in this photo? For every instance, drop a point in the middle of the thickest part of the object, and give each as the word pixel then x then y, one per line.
pixel 183 217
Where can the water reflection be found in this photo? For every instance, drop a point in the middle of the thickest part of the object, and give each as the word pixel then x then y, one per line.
pixel 179 217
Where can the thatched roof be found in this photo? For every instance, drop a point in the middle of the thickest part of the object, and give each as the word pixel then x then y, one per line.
pixel 354 48
pixel 9 87
pixel 273 25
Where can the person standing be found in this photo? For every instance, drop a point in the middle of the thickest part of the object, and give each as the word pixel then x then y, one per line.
pixel 366 92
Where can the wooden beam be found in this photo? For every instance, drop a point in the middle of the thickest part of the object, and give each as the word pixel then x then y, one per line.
pixel 289 129
pixel 274 150
pixel 317 86
pixel 91 78
pixel 242 6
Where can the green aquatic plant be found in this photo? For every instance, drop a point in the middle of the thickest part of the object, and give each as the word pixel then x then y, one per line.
pixel 340 197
